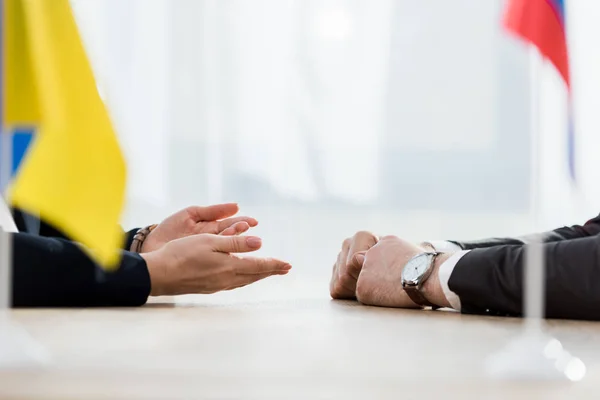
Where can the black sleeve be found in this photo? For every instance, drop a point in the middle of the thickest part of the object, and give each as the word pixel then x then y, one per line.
pixel 490 280
pixel 129 238
pixel 46 230
pixel 590 228
pixel 53 272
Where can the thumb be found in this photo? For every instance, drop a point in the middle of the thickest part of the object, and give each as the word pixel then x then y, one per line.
pixel 359 258
pixel 212 213
pixel 356 264
pixel 235 244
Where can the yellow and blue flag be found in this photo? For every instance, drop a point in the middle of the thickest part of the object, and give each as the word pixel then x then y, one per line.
pixel 73 174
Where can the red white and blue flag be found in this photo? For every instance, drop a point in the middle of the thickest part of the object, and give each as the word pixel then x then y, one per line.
pixel 543 24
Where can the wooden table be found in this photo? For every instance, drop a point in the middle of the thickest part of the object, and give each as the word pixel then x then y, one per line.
pixel 276 347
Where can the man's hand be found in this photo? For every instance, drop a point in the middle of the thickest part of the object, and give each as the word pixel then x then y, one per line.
pixel 204 264
pixel 194 220
pixel 380 280
pixel 348 265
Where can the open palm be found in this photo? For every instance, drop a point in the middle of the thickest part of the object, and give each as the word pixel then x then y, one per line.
pixel 216 219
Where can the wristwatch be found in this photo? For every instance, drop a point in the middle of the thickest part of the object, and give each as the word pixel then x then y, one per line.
pixel 415 273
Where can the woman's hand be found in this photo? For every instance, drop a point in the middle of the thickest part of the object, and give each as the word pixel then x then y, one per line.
pixel 195 220
pixel 204 263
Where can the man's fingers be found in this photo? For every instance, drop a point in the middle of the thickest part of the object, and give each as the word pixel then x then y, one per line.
pixel 346 244
pixel 236 229
pixel 361 242
pixel 355 265
pixel 349 264
pixel 235 244
pixel 229 222
pixel 212 213
pixel 259 265
pixel 341 262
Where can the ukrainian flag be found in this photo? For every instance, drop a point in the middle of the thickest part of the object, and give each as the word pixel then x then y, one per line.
pixel 73 174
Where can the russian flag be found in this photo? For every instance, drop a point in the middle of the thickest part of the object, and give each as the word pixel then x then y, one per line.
pixel 542 23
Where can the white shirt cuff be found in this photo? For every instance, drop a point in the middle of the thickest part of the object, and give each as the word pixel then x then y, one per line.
pixel 447 267
pixel 444 246
pixel 6 221
pixel 444 274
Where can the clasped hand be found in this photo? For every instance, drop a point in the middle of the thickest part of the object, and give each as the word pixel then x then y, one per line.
pixel 369 269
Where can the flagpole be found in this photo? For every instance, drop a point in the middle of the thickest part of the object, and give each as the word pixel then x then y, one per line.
pixel 5 173
pixel 533 268
pixel 5 238
pixel 533 354
pixel 17 348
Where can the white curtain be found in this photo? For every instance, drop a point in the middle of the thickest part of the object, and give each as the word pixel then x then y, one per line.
pixel 128 44
pixel 389 110
pixel 561 202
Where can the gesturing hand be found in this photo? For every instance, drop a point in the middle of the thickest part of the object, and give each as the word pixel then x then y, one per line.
pixel 194 220
pixel 348 265
pixel 204 264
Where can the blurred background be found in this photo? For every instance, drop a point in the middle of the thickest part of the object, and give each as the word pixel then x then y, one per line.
pixel 324 117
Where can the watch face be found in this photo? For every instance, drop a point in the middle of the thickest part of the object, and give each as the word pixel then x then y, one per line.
pixel 416 267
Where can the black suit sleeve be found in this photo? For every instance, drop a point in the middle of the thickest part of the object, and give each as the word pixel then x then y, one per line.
pixel 47 230
pixel 590 228
pixel 54 272
pixel 129 238
pixel 490 280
